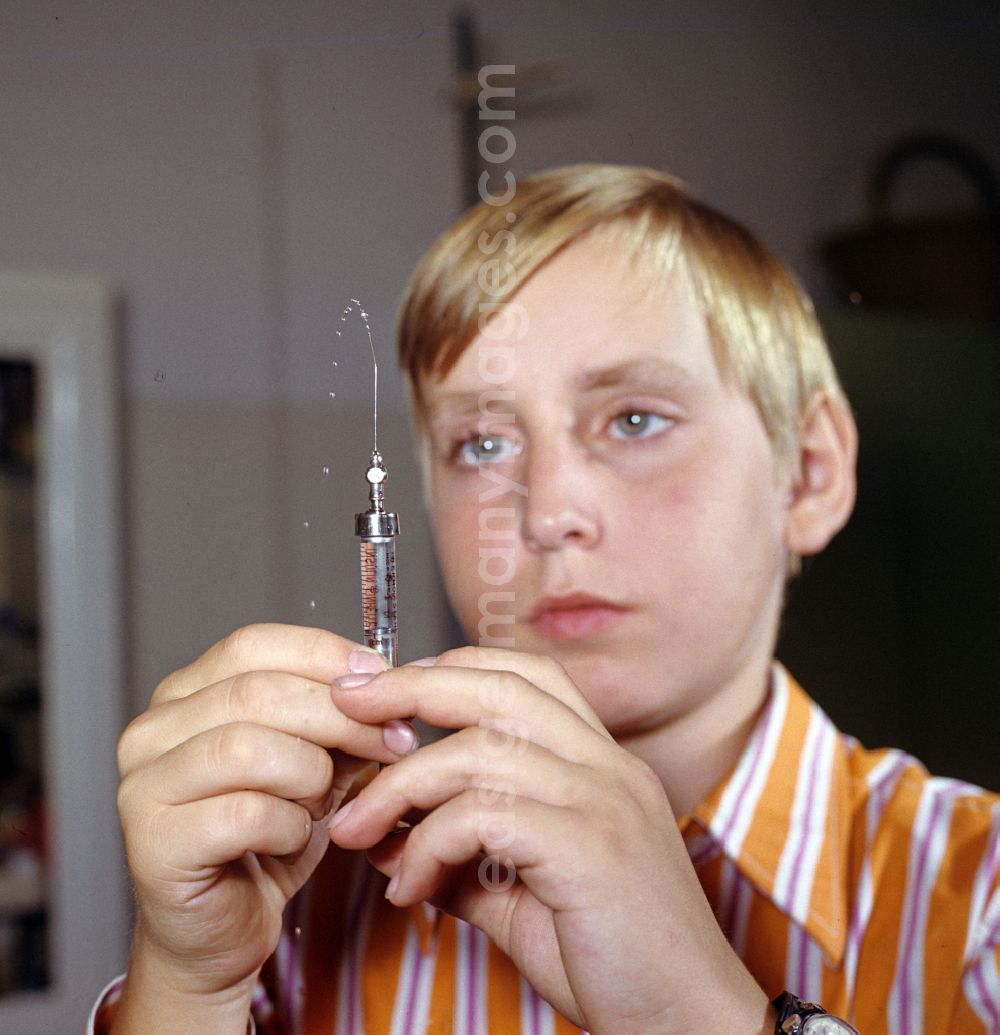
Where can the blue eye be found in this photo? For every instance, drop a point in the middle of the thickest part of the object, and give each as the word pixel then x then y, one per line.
pixel 485 449
pixel 638 424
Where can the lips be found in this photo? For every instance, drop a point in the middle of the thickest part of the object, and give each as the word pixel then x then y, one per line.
pixel 574 616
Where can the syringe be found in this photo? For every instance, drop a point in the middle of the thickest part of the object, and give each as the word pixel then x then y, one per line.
pixel 377 529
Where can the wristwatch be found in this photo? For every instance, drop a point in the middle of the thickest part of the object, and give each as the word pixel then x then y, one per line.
pixel 796 1017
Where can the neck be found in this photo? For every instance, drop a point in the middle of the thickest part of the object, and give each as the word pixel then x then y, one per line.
pixel 694 751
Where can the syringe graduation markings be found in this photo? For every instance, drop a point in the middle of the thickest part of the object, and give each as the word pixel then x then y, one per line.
pixel 377 528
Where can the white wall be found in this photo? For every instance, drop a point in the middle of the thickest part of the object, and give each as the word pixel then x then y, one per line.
pixel 241 169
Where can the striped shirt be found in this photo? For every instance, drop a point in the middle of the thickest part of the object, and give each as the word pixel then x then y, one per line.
pixel 849 877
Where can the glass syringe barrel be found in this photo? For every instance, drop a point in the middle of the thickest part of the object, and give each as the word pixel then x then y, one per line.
pixel 377 530
pixel 378 594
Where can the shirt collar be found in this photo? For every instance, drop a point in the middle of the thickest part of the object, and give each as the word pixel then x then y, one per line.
pixel 782 815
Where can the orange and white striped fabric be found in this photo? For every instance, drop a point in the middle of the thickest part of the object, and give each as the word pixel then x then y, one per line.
pixel 850 877
pixel 853 878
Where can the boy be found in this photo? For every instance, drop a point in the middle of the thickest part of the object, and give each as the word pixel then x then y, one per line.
pixel 631 431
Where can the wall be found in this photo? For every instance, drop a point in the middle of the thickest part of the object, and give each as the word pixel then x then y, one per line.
pixel 243 169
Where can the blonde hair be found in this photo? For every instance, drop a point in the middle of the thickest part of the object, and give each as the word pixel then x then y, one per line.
pixel 763 328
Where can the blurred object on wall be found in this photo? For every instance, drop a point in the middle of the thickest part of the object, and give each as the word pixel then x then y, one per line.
pixel 24 906
pixel 62 903
pixel 941 263
pixel 18 564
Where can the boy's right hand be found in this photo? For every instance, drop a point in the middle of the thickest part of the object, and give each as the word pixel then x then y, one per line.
pixel 226 779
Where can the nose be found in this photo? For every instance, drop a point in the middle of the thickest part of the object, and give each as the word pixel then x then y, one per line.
pixel 562 504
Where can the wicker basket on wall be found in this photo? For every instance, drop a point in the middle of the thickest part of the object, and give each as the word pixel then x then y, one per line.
pixel 945 265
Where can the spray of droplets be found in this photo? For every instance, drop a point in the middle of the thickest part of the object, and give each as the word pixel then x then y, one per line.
pixel 355 303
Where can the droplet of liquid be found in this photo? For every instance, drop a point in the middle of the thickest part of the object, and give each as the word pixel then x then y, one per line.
pixel 335 363
pixel 312 605
pixel 298 932
pixel 326 470
pixel 305 524
pixel 333 395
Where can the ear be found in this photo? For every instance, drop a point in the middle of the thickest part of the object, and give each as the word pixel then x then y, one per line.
pixel 822 494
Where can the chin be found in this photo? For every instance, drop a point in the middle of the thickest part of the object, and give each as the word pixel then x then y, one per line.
pixel 608 690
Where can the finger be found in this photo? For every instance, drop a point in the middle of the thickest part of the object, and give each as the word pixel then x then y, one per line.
pixel 538 669
pixel 316 654
pixel 292 704
pixel 485 892
pixel 236 757
pixel 350 775
pixel 386 855
pixel 473 759
pixel 455 697
pixel 530 840
pixel 201 835
pixel 290 870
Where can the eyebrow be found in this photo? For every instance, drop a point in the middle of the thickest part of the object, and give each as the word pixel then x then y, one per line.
pixel 452 406
pixel 636 373
pixel 644 372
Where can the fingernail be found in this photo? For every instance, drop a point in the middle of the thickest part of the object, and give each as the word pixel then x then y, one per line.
pixel 393 885
pixel 399 736
pixel 424 662
pixel 366 661
pixel 350 682
pixel 341 814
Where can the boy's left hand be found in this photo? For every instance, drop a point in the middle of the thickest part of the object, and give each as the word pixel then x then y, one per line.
pixel 606 918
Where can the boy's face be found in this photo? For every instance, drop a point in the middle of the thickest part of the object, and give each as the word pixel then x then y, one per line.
pixel 618 499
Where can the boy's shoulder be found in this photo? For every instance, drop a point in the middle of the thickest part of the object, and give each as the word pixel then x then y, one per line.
pixel 901 797
pixel 930 845
pixel 889 820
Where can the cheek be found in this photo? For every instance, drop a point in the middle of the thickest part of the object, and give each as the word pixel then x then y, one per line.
pixel 718 511
pixel 465 539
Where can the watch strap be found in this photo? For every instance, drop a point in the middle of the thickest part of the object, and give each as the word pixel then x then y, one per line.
pixel 793 1013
